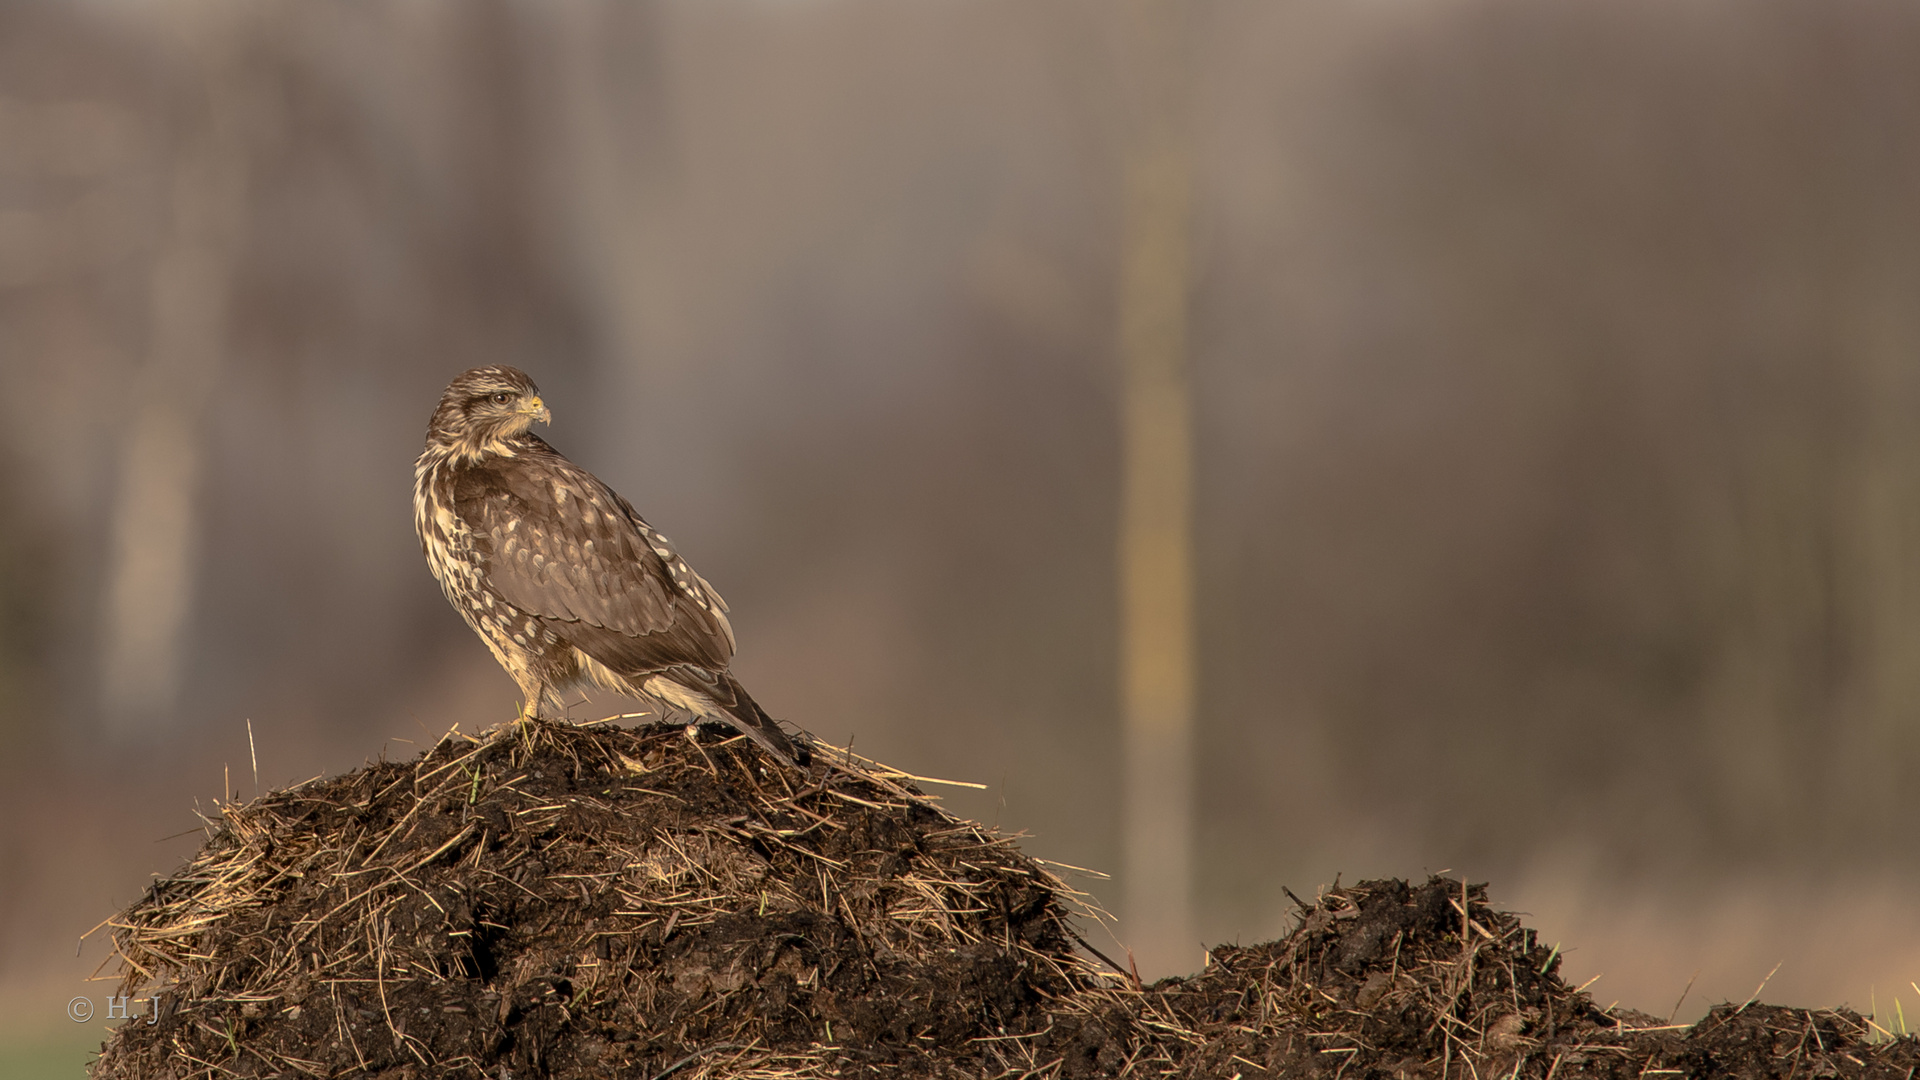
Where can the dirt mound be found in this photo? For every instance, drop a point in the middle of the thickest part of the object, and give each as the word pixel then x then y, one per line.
pixel 584 902
pixel 1386 979
pixel 589 902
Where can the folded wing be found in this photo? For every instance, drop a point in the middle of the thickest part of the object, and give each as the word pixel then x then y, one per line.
pixel 556 542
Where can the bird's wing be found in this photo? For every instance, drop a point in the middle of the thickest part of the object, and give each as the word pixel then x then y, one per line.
pixel 556 542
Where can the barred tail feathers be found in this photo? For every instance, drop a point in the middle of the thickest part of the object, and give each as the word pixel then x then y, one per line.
pixel 753 722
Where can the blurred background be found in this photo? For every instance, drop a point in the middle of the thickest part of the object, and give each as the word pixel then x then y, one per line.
pixel 1555 372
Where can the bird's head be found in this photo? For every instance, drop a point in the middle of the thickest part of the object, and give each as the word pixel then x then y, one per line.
pixel 485 409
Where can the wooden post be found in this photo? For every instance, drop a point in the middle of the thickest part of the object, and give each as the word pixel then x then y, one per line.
pixel 1155 544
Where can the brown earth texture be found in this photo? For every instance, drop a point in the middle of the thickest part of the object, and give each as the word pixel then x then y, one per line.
pixel 575 902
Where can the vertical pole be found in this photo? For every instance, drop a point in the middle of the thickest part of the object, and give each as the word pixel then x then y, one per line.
pixel 1155 544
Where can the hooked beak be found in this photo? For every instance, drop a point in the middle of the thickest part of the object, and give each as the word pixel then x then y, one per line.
pixel 536 410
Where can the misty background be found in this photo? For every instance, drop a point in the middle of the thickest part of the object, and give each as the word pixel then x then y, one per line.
pixel 1556 371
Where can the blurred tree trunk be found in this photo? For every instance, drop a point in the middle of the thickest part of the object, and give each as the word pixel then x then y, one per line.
pixel 616 150
pixel 1156 571
pixel 155 534
pixel 1880 575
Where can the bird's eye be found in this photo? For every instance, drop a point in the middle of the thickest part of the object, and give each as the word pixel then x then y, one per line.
pixel 502 397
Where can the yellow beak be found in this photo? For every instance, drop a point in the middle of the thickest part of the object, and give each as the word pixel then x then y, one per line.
pixel 537 409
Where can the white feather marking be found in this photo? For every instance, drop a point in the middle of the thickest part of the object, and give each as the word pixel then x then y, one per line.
pixel 674 694
pixel 600 675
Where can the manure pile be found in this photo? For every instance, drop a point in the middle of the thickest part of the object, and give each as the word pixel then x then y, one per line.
pixel 553 901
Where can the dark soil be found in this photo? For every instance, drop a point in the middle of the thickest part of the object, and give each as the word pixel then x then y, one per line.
pixel 592 902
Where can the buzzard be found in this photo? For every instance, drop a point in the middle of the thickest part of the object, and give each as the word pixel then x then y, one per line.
pixel 559 576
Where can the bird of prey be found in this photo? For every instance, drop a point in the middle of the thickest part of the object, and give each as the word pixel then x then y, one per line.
pixel 559 576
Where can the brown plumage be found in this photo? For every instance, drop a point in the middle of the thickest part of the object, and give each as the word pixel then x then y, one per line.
pixel 559 576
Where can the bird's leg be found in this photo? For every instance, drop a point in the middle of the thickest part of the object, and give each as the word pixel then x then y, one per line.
pixel 533 693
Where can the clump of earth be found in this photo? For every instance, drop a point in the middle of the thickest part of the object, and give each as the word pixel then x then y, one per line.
pixel 575 902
